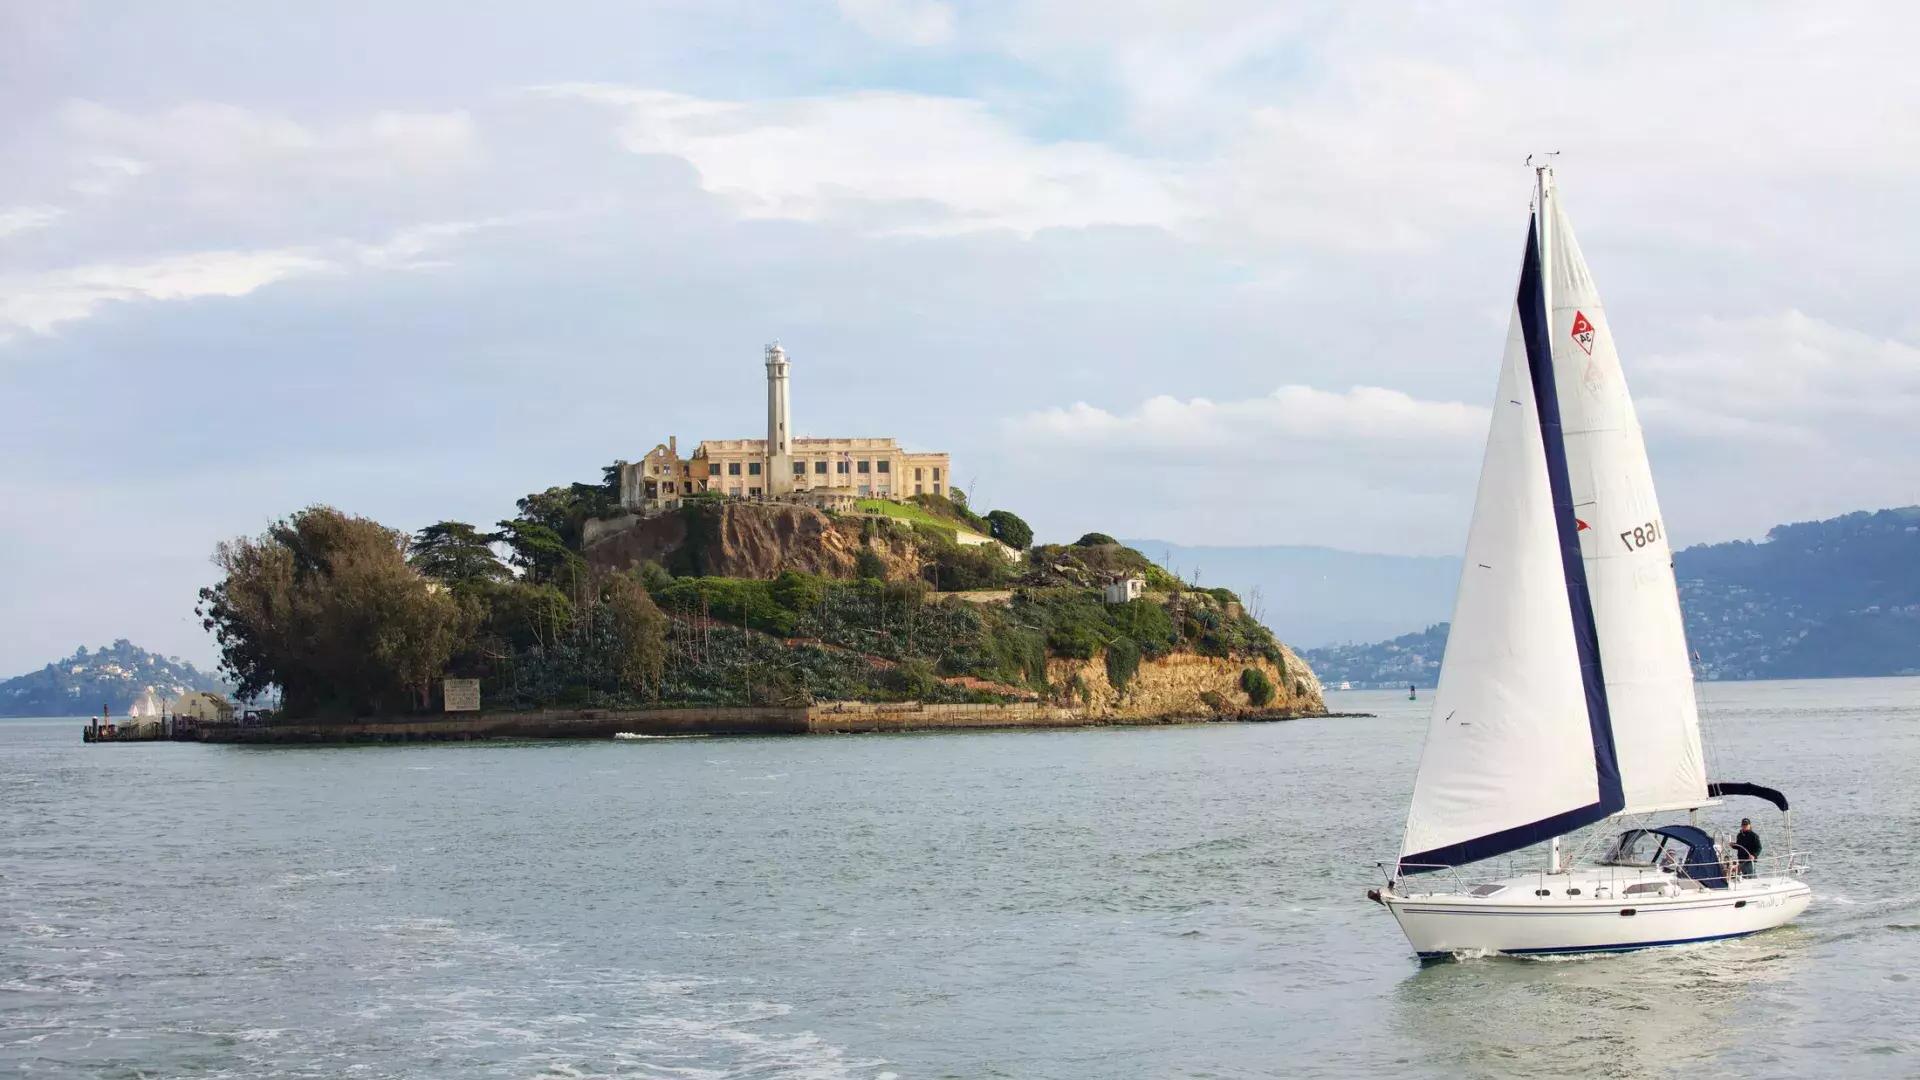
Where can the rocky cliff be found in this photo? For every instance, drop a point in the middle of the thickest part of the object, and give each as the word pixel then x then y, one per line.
pixel 744 540
pixel 1185 685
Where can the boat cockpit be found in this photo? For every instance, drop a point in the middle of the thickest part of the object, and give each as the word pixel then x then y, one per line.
pixel 1684 851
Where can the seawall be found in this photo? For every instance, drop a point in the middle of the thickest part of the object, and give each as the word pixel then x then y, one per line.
pixel 845 717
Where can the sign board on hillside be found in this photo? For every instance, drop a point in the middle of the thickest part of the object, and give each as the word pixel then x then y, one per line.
pixel 461 695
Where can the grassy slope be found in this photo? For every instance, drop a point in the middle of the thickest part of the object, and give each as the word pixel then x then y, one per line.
pixel 909 512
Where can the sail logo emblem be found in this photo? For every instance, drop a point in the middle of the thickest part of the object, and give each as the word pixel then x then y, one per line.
pixel 1583 332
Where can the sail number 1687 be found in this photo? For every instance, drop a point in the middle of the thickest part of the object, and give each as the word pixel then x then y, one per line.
pixel 1641 535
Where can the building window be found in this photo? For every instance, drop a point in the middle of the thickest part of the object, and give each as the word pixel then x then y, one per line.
pixel 733 469
pixel 753 468
pixel 734 491
pixel 799 468
pixel 919 474
pixel 866 466
pixel 754 492
pixel 936 489
pixel 884 466
pixel 820 467
pixel 865 491
pixel 936 474
pixel 917 490
pixel 840 467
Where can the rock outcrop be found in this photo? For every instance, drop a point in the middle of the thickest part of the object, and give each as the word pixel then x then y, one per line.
pixel 1185 685
pixel 747 540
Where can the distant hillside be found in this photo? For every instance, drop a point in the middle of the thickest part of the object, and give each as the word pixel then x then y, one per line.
pixel 114 675
pixel 1316 596
pixel 1408 660
pixel 1814 599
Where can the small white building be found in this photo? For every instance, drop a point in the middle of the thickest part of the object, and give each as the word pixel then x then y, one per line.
pixel 204 706
pixel 1126 589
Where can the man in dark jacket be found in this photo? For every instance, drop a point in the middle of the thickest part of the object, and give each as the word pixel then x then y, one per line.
pixel 1746 845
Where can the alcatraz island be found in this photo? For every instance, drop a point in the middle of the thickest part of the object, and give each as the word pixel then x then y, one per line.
pixel 775 585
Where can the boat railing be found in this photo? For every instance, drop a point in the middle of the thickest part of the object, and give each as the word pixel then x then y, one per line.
pixel 1444 880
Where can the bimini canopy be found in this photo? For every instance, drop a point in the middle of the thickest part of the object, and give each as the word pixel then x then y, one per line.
pixel 1699 862
pixel 1733 787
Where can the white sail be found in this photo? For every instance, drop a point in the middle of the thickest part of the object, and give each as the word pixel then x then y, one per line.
pixel 1629 567
pixel 1514 752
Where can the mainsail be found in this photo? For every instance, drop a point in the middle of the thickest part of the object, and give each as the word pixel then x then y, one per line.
pixel 1623 541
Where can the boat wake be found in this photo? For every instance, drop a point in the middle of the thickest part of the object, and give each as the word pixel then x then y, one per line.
pixel 635 736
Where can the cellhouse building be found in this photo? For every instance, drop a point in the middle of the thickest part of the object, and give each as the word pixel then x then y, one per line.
pixel 826 472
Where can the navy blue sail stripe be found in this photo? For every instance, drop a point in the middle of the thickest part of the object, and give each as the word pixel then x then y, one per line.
pixel 1611 799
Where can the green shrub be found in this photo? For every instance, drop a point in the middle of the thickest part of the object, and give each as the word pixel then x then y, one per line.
pixel 797 591
pixel 868 564
pixel 915 678
pixel 1147 624
pixel 1006 527
pixel 654 577
pixel 1259 688
pixel 1095 539
pixel 1123 663
pixel 740 601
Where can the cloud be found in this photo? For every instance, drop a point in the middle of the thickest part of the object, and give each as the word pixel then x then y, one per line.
pixel 1299 465
pixel 909 22
pixel 1260 427
pixel 218 139
pixel 19 219
pixel 892 162
pixel 1788 369
pixel 41 302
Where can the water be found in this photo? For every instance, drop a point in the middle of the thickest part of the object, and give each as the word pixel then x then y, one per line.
pixel 1172 902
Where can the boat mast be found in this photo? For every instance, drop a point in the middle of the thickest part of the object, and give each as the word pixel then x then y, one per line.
pixel 1541 184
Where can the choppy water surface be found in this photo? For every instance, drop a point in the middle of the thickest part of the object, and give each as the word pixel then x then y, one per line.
pixel 1112 903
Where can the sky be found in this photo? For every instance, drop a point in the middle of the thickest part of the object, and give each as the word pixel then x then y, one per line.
pixel 1232 273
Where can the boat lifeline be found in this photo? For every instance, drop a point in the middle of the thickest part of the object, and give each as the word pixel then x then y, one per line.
pixel 1566 693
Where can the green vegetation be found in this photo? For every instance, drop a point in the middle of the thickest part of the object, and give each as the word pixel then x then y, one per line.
pixel 927 510
pixel 1259 688
pixel 866 564
pixel 456 553
pixel 1006 527
pixel 325 606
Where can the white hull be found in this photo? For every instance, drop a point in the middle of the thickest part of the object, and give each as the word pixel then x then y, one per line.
pixel 1605 913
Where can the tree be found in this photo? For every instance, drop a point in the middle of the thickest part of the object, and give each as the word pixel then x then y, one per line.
pixel 1006 527
pixel 539 552
pixel 1095 539
pixel 867 564
pixel 638 633
pixel 325 606
pixel 455 553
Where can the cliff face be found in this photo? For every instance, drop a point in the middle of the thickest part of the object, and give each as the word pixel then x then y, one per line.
pixel 1184 685
pixel 745 540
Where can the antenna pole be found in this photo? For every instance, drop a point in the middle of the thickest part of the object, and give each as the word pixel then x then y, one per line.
pixel 1542 189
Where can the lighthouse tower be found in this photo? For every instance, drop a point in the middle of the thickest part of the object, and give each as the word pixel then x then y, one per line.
pixel 779 424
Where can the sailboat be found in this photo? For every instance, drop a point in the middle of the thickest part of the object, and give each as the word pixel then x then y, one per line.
pixel 1566 693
